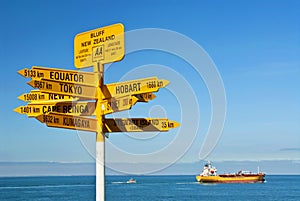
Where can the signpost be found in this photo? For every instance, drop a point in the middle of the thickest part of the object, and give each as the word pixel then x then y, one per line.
pixel 80 100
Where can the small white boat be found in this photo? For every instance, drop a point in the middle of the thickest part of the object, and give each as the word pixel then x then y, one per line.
pixel 131 181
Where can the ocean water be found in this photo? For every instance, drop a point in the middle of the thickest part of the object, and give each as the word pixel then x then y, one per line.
pixel 147 188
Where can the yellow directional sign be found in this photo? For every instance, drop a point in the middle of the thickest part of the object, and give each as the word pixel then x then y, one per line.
pixel 55 74
pixel 81 108
pixel 33 110
pixel 145 97
pixel 116 104
pixel 111 125
pixel 73 108
pixel 139 124
pixel 103 45
pixel 69 122
pixel 36 96
pixel 133 87
pixel 77 90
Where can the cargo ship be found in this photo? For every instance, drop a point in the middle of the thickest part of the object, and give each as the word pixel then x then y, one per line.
pixel 209 175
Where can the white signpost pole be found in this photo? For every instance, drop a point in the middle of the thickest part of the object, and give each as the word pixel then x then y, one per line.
pixel 100 172
pixel 100 141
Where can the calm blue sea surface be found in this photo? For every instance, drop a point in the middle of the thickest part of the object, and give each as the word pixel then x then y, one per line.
pixel 147 188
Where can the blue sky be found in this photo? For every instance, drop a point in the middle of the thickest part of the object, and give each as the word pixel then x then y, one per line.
pixel 255 46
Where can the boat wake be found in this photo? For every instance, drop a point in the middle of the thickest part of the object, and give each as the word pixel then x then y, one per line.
pixel 119 182
pixel 185 183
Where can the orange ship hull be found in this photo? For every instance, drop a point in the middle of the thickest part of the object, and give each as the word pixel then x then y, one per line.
pixel 232 178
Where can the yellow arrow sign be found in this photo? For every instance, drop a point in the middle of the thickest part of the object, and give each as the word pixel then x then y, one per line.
pixel 111 125
pixel 32 110
pixel 133 87
pixel 84 91
pixel 55 74
pixel 78 108
pixel 116 104
pixel 73 108
pixel 145 97
pixel 139 124
pixel 69 122
pixel 36 96
pixel 103 45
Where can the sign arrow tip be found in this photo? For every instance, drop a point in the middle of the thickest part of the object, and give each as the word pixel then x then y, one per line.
pixel 21 72
pixel 17 110
pixel 31 83
pixel 173 124
pixel 21 97
pixel 40 118
pixel 166 82
pixel 153 96
pixel 134 99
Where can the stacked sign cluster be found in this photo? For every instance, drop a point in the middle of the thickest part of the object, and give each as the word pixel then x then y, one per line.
pixel 74 99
